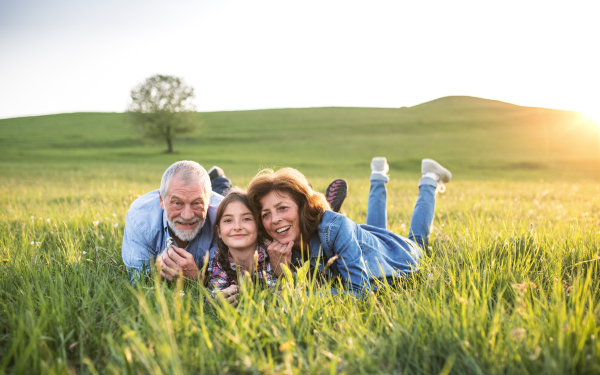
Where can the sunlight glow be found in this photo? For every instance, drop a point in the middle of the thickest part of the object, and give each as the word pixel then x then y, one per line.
pixel 593 115
pixel 60 53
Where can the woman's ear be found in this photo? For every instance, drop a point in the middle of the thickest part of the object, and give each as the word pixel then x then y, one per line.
pixel 218 232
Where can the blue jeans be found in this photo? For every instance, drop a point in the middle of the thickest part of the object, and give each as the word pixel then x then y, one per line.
pixel 422 217
pixel 221 185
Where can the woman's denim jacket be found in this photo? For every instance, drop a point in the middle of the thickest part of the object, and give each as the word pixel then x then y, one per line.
pixel 365 253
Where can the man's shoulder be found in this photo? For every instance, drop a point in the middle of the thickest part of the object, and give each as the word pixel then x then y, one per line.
pixel 146 210
pixel 145 202
pixel 215 200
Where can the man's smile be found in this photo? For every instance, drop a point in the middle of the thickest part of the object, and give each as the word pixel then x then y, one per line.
pixel 186 226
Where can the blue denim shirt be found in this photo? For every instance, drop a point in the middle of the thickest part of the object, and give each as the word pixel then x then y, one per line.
pixel 146 233
pixel 364 252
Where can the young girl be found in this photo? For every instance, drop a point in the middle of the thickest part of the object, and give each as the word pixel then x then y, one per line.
pixel 240 245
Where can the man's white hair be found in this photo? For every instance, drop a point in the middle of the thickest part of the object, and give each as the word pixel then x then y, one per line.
pixel 189 172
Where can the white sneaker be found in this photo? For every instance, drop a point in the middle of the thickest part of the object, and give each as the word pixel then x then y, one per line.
pixel 380 166
pixel 432 166
pixel 432 169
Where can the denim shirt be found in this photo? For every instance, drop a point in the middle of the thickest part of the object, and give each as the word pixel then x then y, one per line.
pixel 365 253
pixel 146 233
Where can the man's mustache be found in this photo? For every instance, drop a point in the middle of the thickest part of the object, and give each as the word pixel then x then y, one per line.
pixel 187 222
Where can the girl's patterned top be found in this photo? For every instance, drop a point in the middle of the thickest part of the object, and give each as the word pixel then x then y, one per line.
pixel 264 271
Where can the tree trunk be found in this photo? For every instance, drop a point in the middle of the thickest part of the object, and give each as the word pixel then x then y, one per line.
pixel 170 144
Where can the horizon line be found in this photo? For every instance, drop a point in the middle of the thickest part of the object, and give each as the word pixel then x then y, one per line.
pixel 315 107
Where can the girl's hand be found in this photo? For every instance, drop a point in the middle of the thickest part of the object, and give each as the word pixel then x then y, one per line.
pixel 229 294
pixel 279 254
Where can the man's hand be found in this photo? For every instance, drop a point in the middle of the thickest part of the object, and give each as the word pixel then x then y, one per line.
pixel 175 262
pixel 280 253
pixel 229 294
pixel 165 272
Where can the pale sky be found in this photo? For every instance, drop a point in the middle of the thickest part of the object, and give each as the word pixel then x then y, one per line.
pixel 74 56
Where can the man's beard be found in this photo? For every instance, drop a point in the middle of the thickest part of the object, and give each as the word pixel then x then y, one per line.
pixel 185 235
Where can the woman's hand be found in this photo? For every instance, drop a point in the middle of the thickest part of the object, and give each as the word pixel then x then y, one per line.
pixel 279 254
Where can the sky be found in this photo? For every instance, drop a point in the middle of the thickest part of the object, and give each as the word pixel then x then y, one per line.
pixel 80 56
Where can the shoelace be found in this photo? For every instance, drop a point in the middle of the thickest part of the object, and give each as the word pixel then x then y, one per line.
pixel 440 188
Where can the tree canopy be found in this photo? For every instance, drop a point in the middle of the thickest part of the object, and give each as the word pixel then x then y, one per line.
pixel 162 108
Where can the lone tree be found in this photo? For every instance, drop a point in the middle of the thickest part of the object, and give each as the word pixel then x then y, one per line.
pixel 162 108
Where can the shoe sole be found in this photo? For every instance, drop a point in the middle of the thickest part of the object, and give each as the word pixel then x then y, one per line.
pixel 430 165
pixel 336 194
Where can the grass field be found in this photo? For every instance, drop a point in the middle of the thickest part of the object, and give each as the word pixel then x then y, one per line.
pixel 511 285
pixel 477 138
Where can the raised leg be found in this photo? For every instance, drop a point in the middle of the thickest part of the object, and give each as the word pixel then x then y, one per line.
pixel 422 217
pixel 377 204
pixel 221 185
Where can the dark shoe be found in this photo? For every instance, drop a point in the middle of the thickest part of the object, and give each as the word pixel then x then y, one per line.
pixel 336 194
pixel 215 172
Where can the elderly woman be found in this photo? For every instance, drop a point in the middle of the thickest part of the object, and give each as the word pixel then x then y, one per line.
pixel 299 222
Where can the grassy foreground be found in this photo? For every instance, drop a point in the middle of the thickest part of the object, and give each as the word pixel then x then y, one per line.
pixel 511 287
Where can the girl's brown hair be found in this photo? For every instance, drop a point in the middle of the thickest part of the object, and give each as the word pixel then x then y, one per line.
pixel 235 195
pixel 311 204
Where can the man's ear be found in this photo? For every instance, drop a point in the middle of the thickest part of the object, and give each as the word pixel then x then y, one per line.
pixel 160 200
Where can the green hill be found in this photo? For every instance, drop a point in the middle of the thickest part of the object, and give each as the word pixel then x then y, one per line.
pixel 472 136
pixel 465 102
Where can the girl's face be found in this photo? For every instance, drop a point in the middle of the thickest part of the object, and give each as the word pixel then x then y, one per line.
pixel 279 215
pixel 237 227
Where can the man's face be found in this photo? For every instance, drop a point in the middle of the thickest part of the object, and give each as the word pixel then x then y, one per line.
pixel 186 207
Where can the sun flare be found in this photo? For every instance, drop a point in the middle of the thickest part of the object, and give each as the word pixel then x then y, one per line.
pixel 593 115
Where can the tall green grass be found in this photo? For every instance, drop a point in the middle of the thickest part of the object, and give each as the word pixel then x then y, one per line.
pixel 510 286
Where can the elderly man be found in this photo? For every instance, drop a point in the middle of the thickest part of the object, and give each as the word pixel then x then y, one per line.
pixel 184 209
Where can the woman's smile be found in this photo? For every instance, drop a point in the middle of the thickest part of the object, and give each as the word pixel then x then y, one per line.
pixel 284 229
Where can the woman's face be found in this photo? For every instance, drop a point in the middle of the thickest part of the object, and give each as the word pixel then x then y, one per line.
pixel 280 218
pixel 237 227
